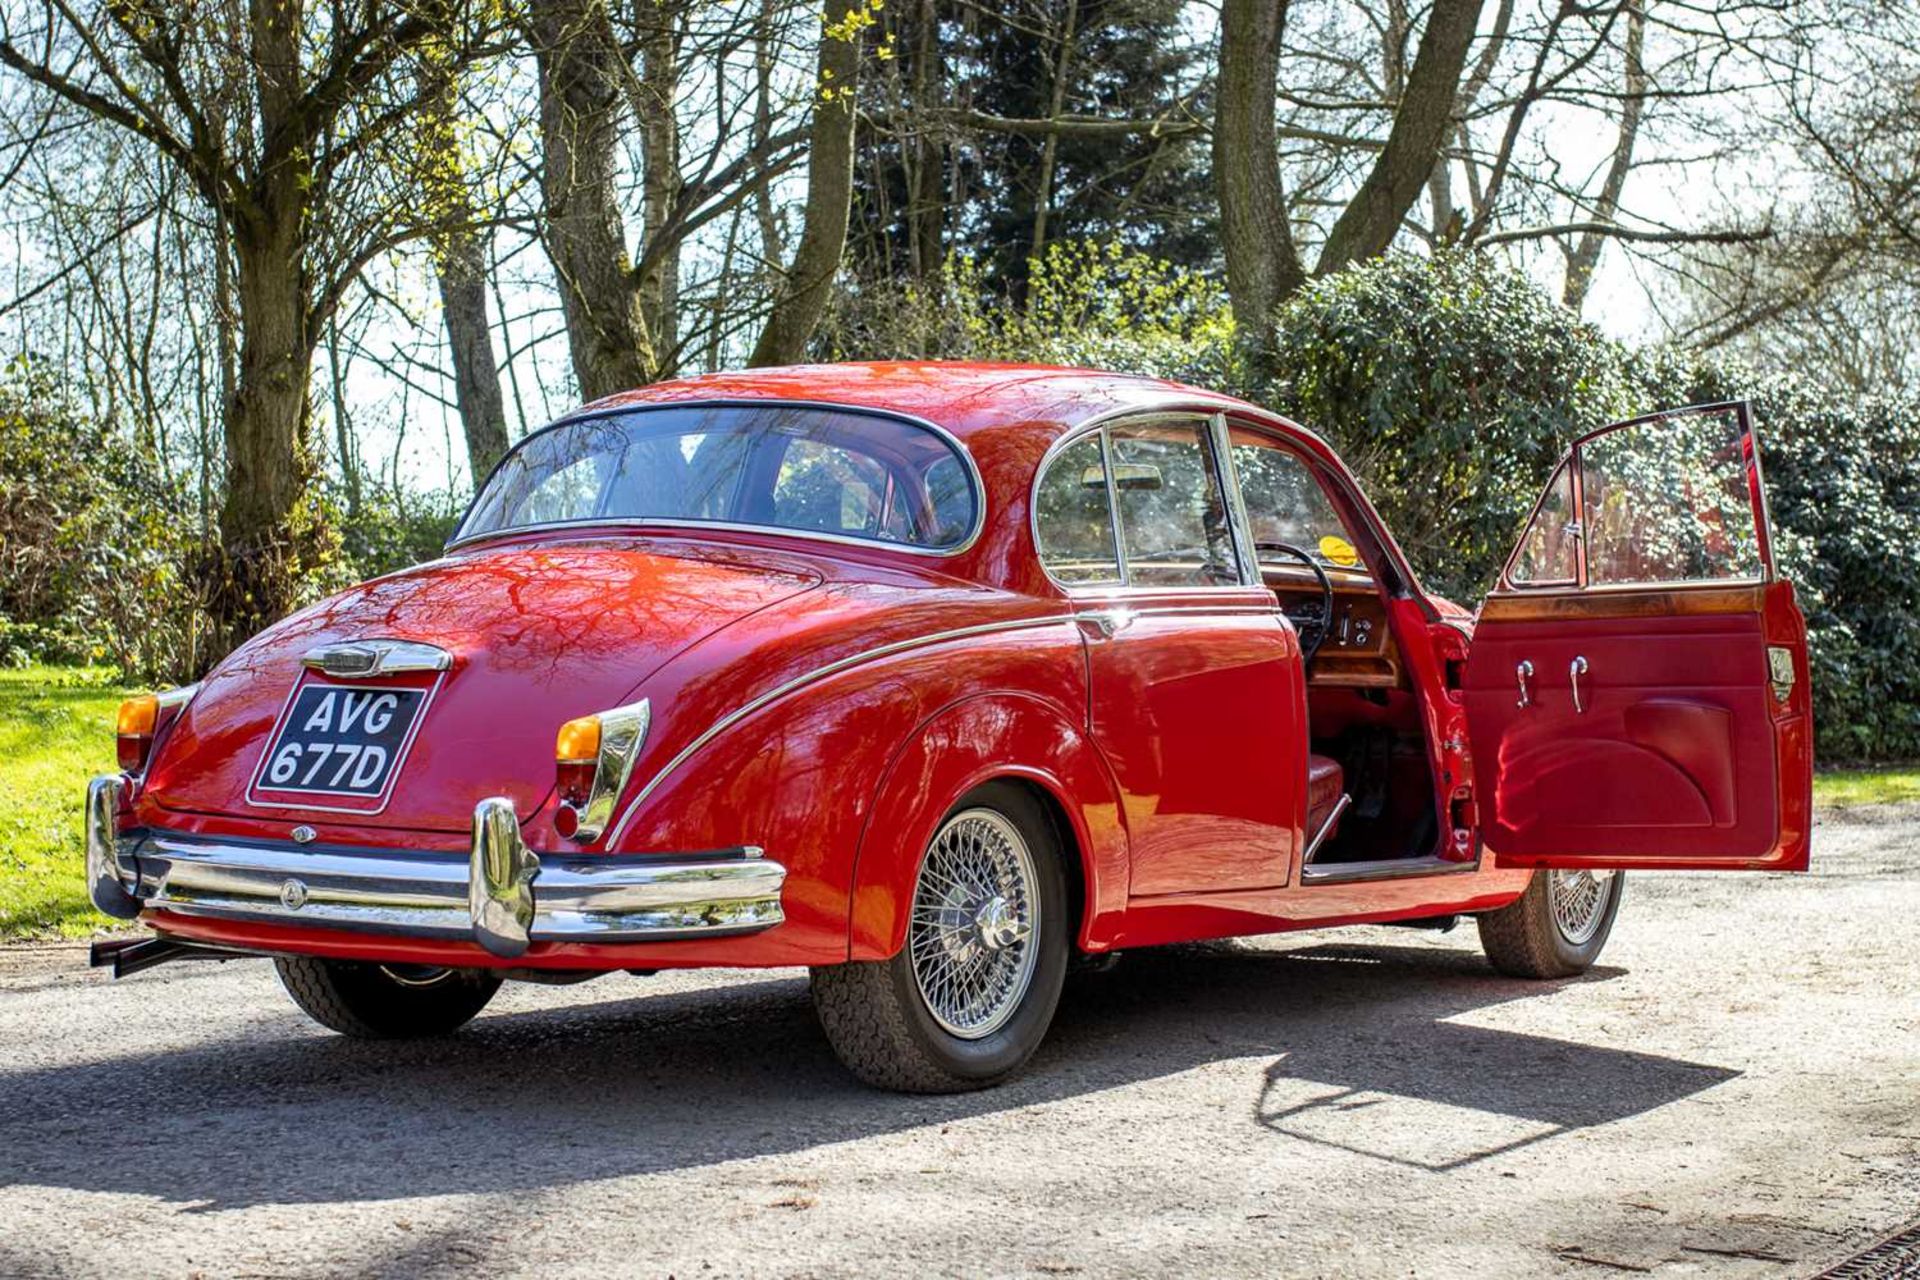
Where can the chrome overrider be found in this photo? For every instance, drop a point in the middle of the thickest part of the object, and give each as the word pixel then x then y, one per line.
pixel 500 893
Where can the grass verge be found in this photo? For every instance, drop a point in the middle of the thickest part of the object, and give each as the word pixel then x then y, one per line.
pixel 1846 788
pixel 56 731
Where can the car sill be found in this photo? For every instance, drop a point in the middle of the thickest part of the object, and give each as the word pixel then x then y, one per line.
pixel 1384 869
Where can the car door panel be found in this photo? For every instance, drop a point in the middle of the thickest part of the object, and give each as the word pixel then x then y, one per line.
pixel 1195 708
pixel 1644 724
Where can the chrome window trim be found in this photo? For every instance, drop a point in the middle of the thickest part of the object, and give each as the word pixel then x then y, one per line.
pixel 1100 423
pixel 1239 522
pixel 806 678
pixel 953 442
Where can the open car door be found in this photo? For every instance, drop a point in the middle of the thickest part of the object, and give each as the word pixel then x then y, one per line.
pixel 1636 692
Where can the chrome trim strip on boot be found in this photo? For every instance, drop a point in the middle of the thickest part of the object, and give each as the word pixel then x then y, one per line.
pixel 499 893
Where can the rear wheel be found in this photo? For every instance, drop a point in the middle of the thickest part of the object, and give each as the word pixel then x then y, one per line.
pixel 1557 927
pixel 967 1000
pixel 385 1001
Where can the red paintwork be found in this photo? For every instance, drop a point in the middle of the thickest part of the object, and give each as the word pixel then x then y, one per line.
pixel 1173 752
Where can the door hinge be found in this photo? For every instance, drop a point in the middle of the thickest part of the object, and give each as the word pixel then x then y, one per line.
pixel 1780 670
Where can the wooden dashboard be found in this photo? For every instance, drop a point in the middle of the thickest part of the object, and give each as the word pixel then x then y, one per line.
pixel 1359 652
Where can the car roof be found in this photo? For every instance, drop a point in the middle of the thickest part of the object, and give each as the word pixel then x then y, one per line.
pixel 966 398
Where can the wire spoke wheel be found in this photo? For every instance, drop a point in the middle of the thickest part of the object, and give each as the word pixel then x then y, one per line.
pixel 976 915
pixel 1579 900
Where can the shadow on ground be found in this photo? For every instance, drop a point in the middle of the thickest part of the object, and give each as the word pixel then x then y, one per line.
pixel 1360 1055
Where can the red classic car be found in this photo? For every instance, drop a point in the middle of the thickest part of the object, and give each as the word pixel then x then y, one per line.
pixel 939 679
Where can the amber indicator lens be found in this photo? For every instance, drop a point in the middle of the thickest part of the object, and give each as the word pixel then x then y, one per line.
pixel 134 729
pixel 578 740
pixel 138 716
pixel 576 755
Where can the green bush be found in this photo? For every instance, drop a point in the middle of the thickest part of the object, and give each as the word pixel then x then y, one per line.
pixel 1843 485
pixel 1451 387
pixel 94 533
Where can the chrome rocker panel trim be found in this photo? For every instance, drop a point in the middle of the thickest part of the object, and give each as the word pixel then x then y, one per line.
pixel 500 893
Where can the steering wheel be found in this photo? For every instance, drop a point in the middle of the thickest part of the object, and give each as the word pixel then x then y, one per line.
pixel 1313 634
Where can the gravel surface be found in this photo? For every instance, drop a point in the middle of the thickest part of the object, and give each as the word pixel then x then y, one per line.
pixel 1734 1091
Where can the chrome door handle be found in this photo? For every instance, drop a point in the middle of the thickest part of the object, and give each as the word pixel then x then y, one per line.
pixel 1524 673
pixel 1576 669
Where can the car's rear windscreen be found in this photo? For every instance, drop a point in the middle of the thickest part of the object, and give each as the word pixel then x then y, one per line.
pixel 813 470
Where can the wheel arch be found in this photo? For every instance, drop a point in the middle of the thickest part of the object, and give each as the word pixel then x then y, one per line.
pixel 992 737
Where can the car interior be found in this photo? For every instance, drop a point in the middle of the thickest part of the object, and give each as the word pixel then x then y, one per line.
pixel 1368 743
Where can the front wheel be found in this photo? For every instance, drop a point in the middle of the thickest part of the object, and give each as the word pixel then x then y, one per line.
pixel 385 1001
pixel 967 1000
pixel 1557 927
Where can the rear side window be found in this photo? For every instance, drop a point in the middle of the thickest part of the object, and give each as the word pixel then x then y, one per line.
pixel 1173 516
pixel 1072 519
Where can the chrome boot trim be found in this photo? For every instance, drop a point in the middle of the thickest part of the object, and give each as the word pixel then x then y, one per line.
pixel 367 658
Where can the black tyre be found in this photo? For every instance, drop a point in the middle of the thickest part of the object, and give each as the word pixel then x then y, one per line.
pixel 385 1002
pixel 970 996
pixel 1557 927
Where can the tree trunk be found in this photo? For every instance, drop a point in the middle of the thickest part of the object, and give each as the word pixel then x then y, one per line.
pixel 1420 123
pixel 1263 266
pixel 802 297
pixel 476 378
pixel 263 541
pixel 1585 255
pixel 460 264
pixel 926 249
pixel 579 130
pixel 659 288
pixel 1050 149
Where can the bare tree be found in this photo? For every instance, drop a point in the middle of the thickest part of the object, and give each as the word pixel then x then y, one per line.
pixel 278 117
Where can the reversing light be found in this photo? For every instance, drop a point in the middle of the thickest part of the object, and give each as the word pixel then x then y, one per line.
pixel 592 758
pixel 140 721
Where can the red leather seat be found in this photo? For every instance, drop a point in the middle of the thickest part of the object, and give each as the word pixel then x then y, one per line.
pixel 1324 785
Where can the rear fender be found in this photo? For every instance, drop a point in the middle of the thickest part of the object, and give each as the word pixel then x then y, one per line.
pixel 966 745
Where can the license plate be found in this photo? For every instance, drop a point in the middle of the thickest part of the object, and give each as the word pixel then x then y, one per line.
pixel 341 740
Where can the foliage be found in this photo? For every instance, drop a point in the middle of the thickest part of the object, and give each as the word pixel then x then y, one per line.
pixel 1096 305
pixel 1843 484
pixel 94 536
pixel 56 729
pixel 1451 386
pixel 391 531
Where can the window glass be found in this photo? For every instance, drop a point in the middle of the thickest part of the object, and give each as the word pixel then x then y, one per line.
pixel 830 488
pixel 1546 555
pixel 1667 501
pixel 781 466
pixel 1072 519
pixel 1173 519
pixel 1286 504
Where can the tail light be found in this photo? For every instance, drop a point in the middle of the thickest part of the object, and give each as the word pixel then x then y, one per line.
pixel 592 759
pixel 141 721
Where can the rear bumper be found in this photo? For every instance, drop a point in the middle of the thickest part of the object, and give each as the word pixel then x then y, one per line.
pixel 500 893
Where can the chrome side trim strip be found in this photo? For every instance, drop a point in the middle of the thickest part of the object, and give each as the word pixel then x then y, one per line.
pixel 810 677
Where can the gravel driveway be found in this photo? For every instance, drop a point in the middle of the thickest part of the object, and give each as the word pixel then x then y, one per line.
pixel 1736 1091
